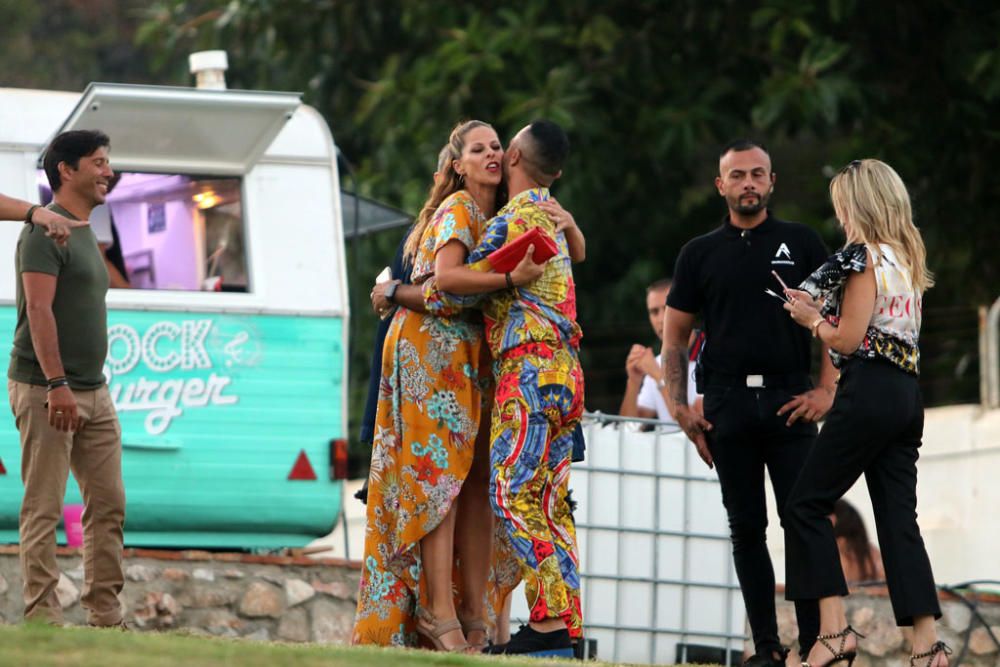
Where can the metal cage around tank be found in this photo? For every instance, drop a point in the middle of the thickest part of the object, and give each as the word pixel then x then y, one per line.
pixel 657 572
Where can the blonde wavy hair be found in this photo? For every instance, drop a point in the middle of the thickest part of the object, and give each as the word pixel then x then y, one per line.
pixel 446 184
pixel 871 201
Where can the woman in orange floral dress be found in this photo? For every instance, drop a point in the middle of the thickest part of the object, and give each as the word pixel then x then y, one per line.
pixel 430 452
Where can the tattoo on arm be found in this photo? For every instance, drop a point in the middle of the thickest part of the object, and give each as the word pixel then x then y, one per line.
pixel 675 365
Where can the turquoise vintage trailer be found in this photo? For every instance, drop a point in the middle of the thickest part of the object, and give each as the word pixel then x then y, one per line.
pixel 227 358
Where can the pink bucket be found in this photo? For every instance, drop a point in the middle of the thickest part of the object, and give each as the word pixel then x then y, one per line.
pixel 72 524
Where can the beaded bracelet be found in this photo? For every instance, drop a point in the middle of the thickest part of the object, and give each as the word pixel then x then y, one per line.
pixel 29 214
pixel 56 382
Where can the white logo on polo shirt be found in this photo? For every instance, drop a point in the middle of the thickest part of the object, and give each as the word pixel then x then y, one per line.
pixel 783 251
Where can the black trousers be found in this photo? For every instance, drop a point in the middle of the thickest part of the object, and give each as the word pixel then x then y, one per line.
pixel 874 428
pixel 748 435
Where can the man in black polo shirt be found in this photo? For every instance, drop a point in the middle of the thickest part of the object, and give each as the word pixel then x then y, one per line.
pixel 760 408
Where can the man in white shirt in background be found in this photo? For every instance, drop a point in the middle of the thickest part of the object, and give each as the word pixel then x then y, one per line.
pixel 643 396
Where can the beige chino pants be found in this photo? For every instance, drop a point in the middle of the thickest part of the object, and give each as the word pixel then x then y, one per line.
pixel 47 456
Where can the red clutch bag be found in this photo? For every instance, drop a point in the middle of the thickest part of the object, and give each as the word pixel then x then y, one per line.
pixel 506 258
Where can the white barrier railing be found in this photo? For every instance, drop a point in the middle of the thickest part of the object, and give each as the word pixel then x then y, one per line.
pixel 656 561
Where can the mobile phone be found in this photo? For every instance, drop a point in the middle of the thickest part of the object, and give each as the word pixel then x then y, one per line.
pixel 775 295
pixel 783 285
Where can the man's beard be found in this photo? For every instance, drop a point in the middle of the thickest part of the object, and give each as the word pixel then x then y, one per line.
pixel 759 204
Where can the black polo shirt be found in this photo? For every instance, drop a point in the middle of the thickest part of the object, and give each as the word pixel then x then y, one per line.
pixel 723 275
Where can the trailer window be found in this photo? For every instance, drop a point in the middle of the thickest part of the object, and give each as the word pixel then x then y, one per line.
pixel 172 232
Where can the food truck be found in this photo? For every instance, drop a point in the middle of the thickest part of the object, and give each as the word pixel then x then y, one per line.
pixel 227 355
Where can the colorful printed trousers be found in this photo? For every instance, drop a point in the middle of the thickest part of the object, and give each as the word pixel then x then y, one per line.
pixel 539 401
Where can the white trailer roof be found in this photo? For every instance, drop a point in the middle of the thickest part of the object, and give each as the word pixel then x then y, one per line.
pixel 281 147
pixel 206 131
pixel 254 125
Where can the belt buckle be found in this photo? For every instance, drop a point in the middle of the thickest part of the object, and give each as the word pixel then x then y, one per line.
pixel 755 381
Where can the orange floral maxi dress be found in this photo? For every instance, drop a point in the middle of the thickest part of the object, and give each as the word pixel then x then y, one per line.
pixel 430 402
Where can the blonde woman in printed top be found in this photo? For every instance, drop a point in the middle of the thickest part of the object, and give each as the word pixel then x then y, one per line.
pixel 864 303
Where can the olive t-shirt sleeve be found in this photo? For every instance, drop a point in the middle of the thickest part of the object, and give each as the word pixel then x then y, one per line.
pixel 685 292
pixel 37 253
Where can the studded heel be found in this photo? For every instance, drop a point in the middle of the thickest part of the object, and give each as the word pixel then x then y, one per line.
pixel 839 654
pixel 931 655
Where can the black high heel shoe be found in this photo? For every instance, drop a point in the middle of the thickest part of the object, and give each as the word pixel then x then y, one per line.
pixel 839 654
pixel 938 647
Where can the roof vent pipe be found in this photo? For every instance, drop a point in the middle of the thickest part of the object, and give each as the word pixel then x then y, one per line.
pixel 209 69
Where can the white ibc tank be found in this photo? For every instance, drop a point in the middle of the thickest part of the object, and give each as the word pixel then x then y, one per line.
pixel 656 560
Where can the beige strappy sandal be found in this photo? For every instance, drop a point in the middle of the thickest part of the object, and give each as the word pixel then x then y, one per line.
pixel 470 625
pixel 430 627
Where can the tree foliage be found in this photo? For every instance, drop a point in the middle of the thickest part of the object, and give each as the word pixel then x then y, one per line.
pixel 648 90
pixel 64 44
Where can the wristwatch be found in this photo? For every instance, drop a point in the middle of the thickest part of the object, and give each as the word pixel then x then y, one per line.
pixel 390 292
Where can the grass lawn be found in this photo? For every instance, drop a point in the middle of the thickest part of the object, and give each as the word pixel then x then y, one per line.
pixel 42 646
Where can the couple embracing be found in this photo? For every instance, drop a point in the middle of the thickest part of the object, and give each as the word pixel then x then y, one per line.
pixel 481 389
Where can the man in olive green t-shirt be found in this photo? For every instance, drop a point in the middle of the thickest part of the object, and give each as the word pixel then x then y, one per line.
pixel 57 390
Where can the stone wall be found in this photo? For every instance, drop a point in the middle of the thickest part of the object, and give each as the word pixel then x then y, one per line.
pixel 299 599
pixel 288 598
pixel 886 645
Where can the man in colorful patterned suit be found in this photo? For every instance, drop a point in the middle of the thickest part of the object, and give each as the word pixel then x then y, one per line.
pixel 534 338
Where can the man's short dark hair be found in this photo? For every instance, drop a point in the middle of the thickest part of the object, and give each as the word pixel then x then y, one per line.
pixel 547 149
pixel 69 147
pixel 661 284
pixel 740 145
